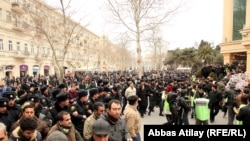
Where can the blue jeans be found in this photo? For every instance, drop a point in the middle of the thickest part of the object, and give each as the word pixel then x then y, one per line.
pixel 137 137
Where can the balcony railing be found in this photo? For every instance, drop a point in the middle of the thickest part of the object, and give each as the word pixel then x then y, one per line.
pixel 17 8
pixel 18 26
pixel 19 54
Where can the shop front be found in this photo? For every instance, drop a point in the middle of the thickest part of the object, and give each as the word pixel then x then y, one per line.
pixel 35 70
pixel 8 71
pixel 46 70
pixel 23 70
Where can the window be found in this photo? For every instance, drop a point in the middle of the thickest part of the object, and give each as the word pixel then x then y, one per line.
pixel 48 52
pixel 43 50
pixel 239 18
pixel 26 48
pixel 8 16
pixel 1 44
pixel 17 46
pixel 10 46
pixel 0 13
pixel 32 50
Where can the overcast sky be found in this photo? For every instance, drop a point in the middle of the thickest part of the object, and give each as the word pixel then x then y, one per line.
pixel 202 19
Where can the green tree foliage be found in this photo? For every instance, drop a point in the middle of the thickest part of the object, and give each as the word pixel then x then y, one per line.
pixel 193 57
pixel 205 52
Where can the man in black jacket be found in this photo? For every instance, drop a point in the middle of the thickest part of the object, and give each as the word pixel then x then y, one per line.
pixel 244 114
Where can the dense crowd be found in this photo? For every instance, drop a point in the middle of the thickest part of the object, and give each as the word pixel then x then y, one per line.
pixel 110 105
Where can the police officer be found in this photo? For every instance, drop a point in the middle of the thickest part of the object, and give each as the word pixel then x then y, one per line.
pixel 41 112
pixel 46 99
pixel 5 116
pixel 79 110
pixel 93 96
pixel 14 109
pixel 61 104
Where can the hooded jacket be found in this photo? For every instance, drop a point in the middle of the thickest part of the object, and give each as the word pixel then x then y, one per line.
pixel 17 136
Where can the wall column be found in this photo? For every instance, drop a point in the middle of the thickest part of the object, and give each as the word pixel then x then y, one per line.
pixel 248 59
pixel 247 24
pixel 228 20
pixel 228 58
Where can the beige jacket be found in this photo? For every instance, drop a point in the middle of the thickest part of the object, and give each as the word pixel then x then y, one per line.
pixel 133 120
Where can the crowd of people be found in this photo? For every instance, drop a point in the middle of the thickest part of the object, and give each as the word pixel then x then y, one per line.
pixel 109 106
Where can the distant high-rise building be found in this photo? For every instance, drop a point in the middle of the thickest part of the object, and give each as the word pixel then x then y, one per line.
pixel 236 32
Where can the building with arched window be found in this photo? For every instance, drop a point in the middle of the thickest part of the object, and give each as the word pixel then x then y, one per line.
pixel 236 32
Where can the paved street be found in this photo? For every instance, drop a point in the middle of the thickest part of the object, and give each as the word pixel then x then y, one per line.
pixel 155 119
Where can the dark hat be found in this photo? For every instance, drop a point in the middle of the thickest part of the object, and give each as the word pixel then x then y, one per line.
pixel 43 88
pixel 33 85
pixel 55 92
pixel 93 91
pixel 62 97
pixel 82 93
pixel 3 101
pixel 34 98
pixel 57 136
pixel 20 92
pixel 105 82
pixel 100 89
pixel 10 95
pixel 61 86
pixel 132 98
pixel 106 89
pixel 115 88
pixel 99 81
pixel 101 127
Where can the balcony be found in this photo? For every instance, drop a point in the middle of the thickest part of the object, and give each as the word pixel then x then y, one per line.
pixel 17 26
pixel 17 8
pixel 19 55
pixel 26 53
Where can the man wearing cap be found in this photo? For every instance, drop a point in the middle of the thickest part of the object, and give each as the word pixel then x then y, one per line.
pixel 143 94
pixel 5 116
pixel 98 110
pixel 21 97
pixel 101 94
pixel 61 104
pixel 46 98
pixel 14 109
pixel 93 96
pixel 118 128
pixel 132 118
pixel 130 90
pixel 100 131
pixel 79 110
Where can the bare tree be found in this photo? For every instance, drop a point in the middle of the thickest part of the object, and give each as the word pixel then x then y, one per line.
pixel 55 26
pixel 123 51
pixel 141 15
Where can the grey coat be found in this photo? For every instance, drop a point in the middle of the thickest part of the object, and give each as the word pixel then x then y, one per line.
pixel 118 130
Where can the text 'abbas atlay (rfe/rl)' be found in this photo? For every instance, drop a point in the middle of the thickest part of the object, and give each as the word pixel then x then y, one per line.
pixel 197 132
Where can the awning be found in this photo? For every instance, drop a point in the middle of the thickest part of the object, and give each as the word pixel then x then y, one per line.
pixel 24 67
